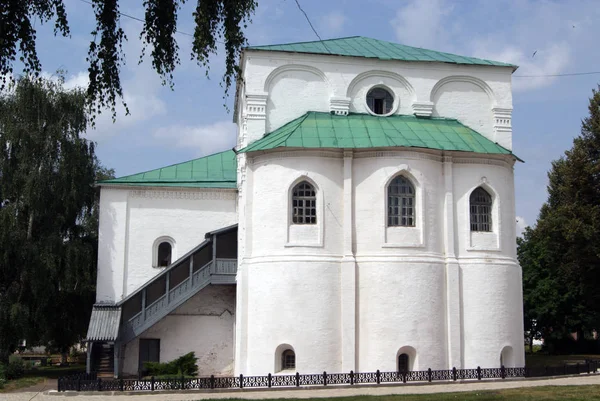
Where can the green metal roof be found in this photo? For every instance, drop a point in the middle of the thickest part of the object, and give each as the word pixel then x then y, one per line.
pixel 214 171
pixel 325 130
pixel 359 46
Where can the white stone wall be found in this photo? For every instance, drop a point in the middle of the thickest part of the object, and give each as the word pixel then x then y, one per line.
pixel 204 324
pixel 450 299
pixel 131 219
pixel 279 87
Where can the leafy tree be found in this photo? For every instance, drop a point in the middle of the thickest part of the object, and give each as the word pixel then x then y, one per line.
pixel 561 254
pixel 214 20
pixel 48 215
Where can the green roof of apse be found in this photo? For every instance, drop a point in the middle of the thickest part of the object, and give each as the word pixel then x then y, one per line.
pixel 214 171
pixel 359 46
pixel 359 131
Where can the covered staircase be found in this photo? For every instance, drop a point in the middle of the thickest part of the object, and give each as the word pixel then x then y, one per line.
pixel 213 262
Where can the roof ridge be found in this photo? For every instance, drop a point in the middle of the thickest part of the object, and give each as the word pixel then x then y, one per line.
pixel 306 41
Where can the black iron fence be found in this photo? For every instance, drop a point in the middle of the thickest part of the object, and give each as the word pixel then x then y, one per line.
pixel 90 382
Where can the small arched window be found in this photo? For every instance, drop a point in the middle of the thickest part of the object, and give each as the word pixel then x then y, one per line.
pixel 164 254
pixel 288 359
pixel 403 366
pixel 304 204
pixel 401 203
pixel 481 210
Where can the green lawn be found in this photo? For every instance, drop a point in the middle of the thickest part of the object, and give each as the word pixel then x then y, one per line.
pixel 548 393
pixel 23 382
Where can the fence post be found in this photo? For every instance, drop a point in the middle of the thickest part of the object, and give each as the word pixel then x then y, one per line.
pixel 546 370
pixel 78 384
pixel 478 372
pixel 324 378
pixel 502 372
pixel 269 380
pixel 152 383
pixel 351 377
pixel 182 381
pixel 59 384
pixel 587 367
pixel 429 375
pixel 378 375
pixel 403 377
pixel 99 381
pixel 454 374
pixel 241 380
pixel 297 379
pixel 121 384
pixel 212 381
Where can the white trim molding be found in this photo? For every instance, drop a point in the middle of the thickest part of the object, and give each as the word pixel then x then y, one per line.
pixel 339 106
pixel 422 109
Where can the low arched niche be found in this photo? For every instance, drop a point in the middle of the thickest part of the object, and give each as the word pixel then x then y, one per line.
pixel 507 357
pixel 279 353
pixel 466 99
pixel 292 91
pixel 402 90
pixel 412 357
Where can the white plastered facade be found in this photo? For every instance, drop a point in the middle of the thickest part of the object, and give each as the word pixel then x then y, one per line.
pixel 348 293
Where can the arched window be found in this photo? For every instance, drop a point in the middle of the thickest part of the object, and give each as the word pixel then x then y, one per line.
pixel 403 366
pixel 304 204
pixel 164 254
pixel 401 203
pixel 481 210
pixel 288 359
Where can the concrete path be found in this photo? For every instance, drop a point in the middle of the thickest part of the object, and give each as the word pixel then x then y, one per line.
pixel 308 393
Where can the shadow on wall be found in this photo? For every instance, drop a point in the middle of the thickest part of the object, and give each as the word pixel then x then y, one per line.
pixel 106 246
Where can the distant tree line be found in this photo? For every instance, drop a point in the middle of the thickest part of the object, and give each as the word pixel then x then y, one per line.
pixel 560 255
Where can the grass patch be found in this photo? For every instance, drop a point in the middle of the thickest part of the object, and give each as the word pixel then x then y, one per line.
pixel 546 393
pixel 540 360
pixel 23 382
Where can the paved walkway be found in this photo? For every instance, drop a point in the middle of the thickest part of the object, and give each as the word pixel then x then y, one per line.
pixel 309 393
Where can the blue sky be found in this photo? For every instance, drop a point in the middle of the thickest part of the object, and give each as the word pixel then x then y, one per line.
pixel 167 127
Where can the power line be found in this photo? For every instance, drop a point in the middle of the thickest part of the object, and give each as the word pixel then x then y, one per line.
pixel 311 26
pixel 141 20
pixel 571 74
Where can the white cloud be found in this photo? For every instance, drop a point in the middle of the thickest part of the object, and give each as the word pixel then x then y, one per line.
pixel 204 139
pixel 333 22
pixel 521 224
pixel 420 23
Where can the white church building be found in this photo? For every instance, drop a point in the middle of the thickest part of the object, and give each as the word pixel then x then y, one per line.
pixel 365 220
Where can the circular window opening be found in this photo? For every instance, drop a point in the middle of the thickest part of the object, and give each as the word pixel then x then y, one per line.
pixel 380 101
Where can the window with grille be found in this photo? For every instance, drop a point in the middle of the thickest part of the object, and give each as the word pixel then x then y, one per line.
pixel 403 363
pixel 288 360
pixel 401 203
pixel 304 204
pixel 481 210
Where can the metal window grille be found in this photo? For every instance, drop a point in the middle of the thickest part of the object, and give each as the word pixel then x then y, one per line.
pixel 380 101
pixel 403 363
pixel 481 210
pixel 401 203
pixel 288 359
pixel 304 204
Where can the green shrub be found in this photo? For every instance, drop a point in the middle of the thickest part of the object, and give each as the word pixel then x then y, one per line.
pixel 184 365
pixel 15 369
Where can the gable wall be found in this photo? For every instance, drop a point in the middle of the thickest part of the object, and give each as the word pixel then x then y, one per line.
pixel 279 87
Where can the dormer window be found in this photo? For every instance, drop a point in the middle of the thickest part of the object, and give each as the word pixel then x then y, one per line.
pixel 380 101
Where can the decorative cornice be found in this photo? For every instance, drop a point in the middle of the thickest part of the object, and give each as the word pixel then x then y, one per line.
pixel 212 194
pixel 339 105
pixel 277 155
pixel 256 106
pixel 404 154
pixel 502 119
pixel 422 109
pixel 478 160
